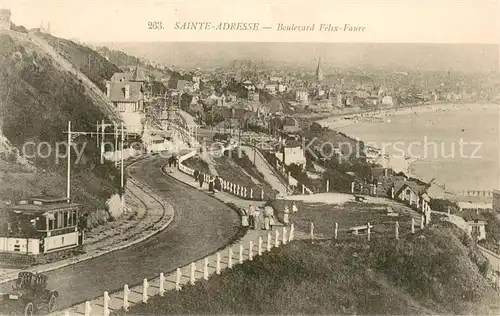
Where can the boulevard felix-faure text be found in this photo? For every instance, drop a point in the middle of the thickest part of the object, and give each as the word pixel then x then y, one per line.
pixel 245 26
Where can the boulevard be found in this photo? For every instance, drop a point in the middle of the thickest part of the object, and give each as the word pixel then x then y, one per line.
pixel 196 215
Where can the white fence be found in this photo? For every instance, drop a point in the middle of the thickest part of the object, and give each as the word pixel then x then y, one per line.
pixel 226 186
pixel 202 269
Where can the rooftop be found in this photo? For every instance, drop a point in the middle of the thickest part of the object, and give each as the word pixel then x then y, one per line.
pixel 37 209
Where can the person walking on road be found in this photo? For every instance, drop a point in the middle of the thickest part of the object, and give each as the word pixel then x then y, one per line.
pixel 196 175
pixel 294 208
pixel 244 218
pixel 211 185
pixel 200 179
pixel 217 184
pixel 286 219
pixel 257 219
pixel 251 214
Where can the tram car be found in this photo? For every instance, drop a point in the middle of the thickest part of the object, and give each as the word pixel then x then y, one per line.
pixel 38 226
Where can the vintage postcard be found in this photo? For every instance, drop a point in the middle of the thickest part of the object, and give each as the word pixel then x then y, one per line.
pixel 258 157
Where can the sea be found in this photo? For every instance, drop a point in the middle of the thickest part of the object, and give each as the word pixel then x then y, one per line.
pixel 456 145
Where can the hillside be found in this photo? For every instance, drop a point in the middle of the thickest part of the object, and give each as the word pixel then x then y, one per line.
pixel 37 99
pixel 435 272
pixel 86 60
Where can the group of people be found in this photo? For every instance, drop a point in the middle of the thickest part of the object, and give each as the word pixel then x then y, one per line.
pixel 214 183
pixel 257 219
pixel 173 161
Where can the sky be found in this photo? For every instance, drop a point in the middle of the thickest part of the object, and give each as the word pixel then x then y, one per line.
pixel 424 21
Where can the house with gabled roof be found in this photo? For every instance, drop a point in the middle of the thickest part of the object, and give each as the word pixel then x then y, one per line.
pixel 411 192
pixel 475 223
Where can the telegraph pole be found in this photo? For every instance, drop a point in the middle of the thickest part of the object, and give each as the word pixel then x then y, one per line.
pixel 116 146
pixel 121 171
pixel 68 180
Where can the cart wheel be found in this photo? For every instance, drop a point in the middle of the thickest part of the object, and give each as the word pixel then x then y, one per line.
pixel 29 309
pixel 52 302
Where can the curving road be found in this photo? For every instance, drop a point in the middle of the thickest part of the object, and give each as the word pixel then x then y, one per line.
pixel 201 226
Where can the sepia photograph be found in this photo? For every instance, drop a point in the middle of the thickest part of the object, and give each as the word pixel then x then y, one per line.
pixel 216 158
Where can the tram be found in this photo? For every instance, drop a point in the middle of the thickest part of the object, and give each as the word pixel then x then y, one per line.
pixel 40 225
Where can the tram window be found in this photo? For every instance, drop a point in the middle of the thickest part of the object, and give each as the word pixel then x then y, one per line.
pixel 51 224
pixel 70 218
pixel 60 221
pixel 40 223
pixel 65 219
pixel 75 218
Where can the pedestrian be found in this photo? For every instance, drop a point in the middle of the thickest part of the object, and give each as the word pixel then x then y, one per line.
pixel 170 161
pixel 251 214
pixel 176 161
pixel 211 185
pixel 244 218
pixel 294 208
pixel 200 179
pixel 257 219
pixel 286 220
pixel 268 213
pixel 196 175
pixel 217 184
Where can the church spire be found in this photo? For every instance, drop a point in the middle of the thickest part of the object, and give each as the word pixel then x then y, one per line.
pixel 319 72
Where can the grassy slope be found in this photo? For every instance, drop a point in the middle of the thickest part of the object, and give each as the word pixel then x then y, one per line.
pixel 88 61
pixel 436 274
pixel 197 163
pixel 239 170
pixel 36 101
pixel 348 215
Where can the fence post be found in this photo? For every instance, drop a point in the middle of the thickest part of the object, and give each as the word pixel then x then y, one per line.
pixel 251 193
pixel 205 268
pixel 269 238
pixel 162 284
pixel 276 238
pixel 336 230
pixel 303 189
pixel 397 230
pixel 327 185
pixel 369 231
pixel 230 260
pixel 178 279
pixel 284 231
pixel 193 269
pixel 262 195
pixel 145 286
pixel 412 225
pixel 105 304
pixel 290 236
pixel 217 263
pixel 422 222
pixel 312 232
pixel 250 250
pixel 260 246
pixel 88 308
pixel 126 292
pixel 352 187
pixel 241 254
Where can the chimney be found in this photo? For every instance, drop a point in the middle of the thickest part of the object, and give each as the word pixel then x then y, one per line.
pixel 127 91
pixel 108 89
